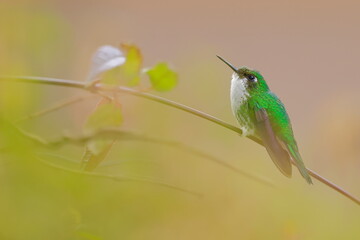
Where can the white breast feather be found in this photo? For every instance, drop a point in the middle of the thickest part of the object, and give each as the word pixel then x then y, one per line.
pixel 238 96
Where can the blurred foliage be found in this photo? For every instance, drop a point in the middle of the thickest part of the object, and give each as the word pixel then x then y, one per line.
pixel 112 67
pixel 115 67
pixel 41 202
pixel 107 114
pixel 162 78
pixel 132 65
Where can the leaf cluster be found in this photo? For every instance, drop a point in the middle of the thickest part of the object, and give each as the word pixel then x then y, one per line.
pixel 113 67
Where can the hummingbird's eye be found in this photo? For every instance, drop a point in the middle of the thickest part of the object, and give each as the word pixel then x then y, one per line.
pixel 251 78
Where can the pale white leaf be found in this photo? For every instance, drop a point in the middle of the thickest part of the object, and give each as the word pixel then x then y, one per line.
pixel 106 58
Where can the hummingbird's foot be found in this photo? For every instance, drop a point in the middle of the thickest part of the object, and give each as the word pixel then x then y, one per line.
pixel 245 132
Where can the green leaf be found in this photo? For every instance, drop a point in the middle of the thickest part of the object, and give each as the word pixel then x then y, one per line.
pixel 162 78
pixel 106 115
pixel 131 68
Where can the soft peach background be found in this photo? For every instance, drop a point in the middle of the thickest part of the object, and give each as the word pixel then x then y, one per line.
pixel 307 50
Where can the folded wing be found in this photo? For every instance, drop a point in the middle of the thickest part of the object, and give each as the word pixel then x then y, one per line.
pixel 274 147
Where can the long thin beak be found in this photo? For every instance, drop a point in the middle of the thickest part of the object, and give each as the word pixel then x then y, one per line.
pixel 227 63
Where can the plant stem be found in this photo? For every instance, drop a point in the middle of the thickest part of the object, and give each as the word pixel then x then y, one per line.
pixel 119 178
pixel 56 107
pixel 99 87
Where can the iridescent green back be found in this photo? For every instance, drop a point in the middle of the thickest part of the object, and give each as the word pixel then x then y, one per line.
pixel 277 114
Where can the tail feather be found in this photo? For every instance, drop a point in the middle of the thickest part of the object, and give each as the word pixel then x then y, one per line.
pixel 280 151
pixel 295 155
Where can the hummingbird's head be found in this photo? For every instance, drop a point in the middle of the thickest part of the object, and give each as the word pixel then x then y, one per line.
pixel 251 80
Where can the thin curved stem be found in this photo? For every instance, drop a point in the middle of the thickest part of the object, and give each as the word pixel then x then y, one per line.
pixel 333 185
pixel 119 178
pixel 98 87
pixel 55 107
pixel 180 107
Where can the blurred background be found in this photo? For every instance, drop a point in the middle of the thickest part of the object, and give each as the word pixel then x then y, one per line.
pixel 307 50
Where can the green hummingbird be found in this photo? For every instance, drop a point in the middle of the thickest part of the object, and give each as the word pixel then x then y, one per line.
pixel 261 114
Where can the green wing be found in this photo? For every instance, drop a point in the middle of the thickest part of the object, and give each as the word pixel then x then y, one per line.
pixel 274 128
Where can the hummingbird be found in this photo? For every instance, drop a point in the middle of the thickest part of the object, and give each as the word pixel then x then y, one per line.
pixel 262 115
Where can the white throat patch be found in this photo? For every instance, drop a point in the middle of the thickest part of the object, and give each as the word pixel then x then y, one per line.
pixel 238 92
pixel 238 97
